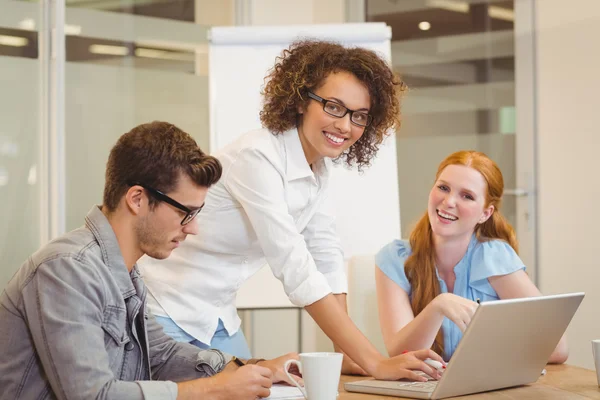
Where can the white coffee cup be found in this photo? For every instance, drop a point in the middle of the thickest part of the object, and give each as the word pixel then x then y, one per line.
pixel 321 373
pixel 596 353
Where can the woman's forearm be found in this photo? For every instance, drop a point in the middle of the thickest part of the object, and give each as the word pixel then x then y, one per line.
pixel 341 299
pixel 560 353
pixel 332 318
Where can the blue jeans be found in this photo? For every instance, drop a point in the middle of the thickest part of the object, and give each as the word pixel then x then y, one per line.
pixel 235 344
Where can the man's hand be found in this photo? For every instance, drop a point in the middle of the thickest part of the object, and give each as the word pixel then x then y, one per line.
pixel 245 383
pixel 279 375
pixel 249 381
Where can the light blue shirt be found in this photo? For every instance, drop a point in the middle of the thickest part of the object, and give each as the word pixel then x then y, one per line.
pixel 481 261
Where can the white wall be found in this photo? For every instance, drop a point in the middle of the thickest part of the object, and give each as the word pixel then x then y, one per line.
pixel 568 87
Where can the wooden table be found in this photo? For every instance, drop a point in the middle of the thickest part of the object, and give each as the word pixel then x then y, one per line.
pixel 561 382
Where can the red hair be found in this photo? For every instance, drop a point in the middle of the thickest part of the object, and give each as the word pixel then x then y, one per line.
pixel 420 265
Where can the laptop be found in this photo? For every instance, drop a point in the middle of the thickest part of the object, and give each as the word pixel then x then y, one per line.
pixel 507 343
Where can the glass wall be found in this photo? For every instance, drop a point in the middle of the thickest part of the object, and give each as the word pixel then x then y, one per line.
pixel 457 57
pixel 127 63
pixel 20 91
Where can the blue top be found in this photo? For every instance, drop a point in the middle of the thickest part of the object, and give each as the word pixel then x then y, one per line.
pixel 482 260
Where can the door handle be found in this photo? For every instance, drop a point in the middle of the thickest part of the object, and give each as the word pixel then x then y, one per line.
pixel 516 192
pixel 519 192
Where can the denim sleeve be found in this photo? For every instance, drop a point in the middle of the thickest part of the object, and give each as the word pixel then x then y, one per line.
pixel 177 361
pixel 64 308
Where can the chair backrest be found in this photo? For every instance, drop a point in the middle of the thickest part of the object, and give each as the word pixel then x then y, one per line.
pixel 362 298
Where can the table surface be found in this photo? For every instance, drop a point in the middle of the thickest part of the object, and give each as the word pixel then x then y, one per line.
pixel 561 382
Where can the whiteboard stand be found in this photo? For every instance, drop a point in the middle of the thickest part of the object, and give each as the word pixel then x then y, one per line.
pixel 298 309
pixel 264 292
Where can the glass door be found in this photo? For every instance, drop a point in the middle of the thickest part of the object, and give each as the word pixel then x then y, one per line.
pixel 127 63
pixel 21 69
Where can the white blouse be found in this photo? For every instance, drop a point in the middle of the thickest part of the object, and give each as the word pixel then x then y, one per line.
pixel 268 207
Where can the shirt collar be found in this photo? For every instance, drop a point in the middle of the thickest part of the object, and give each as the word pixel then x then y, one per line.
pixel 296 165
pixel 98 224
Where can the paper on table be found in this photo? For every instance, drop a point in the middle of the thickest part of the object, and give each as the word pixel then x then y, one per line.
pixel 281 392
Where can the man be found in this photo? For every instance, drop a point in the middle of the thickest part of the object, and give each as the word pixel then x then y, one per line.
pixel 73 319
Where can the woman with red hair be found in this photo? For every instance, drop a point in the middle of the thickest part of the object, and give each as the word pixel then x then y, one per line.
pixel 462 250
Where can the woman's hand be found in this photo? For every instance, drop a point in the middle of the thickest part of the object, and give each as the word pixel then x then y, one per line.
pixel 276 367
pixel 456 308
pixel 404 366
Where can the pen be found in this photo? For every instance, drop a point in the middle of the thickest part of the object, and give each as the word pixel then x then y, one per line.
pixel 239 362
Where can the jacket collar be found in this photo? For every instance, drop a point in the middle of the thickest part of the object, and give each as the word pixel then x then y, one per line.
pixel 98 224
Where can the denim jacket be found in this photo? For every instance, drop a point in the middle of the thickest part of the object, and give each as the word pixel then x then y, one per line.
pixel 74 325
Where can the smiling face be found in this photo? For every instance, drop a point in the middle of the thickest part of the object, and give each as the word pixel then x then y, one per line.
pixel 457 202
pixel 160 231
pixel 323 135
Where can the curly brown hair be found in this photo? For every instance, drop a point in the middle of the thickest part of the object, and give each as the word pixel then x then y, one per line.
pixel 305 65
pixel 155 154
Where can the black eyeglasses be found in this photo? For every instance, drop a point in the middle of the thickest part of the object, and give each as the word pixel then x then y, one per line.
pixel 190 214
pixel 335 109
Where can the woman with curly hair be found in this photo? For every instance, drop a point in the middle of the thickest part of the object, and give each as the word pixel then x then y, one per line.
pixel 322 102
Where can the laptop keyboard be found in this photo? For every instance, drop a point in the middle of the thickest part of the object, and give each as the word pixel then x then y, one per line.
pixel 402 385
pixel 428 386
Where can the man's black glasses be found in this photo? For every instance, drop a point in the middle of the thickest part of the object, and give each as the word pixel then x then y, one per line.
pixel 190 214
pixel 335 109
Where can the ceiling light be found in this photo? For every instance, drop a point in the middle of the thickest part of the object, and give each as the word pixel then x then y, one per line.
pixel 424 26
pixel 3 176
pixel 501 13
pixel 32 176
pixel 456 6
pixel 73 30
pixel 14 41
pixel 27 24
pixel 162 54
pixel 109 50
